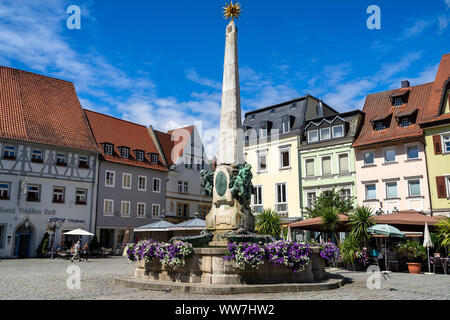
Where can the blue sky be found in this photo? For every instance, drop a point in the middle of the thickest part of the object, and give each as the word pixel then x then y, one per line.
pixel 161 63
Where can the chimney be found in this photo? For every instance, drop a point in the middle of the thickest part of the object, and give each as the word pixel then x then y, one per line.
pixel 405 84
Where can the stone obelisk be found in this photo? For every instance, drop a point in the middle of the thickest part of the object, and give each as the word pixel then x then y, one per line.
pixel 232 178
pixel 230 134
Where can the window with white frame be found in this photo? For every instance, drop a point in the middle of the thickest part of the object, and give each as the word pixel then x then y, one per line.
pixel 142 183
pixel 125 152
pixel 154 158
pixel 33 193
pixel 262 161
pixel 141 209
pixel 156 185
pixel 310 199
pixel 448 186
pixel 109 149
pixel 9 152
pixel 281 197
pixel 338 131
pixel 58 194
pixel 155 210
pixel 313 136
pixel 346 193
pixel 389 155
pixel 262 132
pixel 446 143
pixel 371 192
pixel 180 186
pixel 4 190
pixel 61 158
pixel 343 163
pixel 110 178
pixel 108 207
pixel 413 152
pixel 81 196
pixel 310 167
pixel 125 209
pixel 391 190
pixel 126 181
pixel 325 134
pixel 186 187
pixel 284 158
pixel 369 158
pixel 326 166
pixel 36 155
pixel 83 161
pixel 286 126
pixel 140 156
pixel 414 188
pixel 257 199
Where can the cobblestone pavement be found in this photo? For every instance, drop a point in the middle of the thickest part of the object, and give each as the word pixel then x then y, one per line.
pixel 46 279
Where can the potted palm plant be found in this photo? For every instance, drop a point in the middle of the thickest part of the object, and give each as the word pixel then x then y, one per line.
pixel 414 254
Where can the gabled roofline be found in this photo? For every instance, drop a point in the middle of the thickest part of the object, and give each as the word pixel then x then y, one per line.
pixel 333 117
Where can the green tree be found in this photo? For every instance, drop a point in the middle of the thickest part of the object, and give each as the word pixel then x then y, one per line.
pixel 348 249
pixel 443 231
pixel 268 222
pixel 330 222
pixel 359 220
pixel 330 199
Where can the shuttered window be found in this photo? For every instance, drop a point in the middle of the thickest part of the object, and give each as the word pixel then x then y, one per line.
pixel 326 166
pixel 441 187
pixel 437 144
pixel 343 163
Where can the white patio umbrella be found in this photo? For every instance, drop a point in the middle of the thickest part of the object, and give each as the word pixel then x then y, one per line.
pixel 79 232
pixel 427 243
pixel 289 236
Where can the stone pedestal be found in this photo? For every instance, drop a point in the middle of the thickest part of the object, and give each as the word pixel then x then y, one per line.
pixel 207 266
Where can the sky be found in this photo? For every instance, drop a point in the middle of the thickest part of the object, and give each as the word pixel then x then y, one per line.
pixel 160 63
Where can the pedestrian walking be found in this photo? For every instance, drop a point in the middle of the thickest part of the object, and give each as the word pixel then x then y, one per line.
pixel 86 251
pixel 76 254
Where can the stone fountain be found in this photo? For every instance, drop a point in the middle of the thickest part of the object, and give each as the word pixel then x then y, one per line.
pixel 230 219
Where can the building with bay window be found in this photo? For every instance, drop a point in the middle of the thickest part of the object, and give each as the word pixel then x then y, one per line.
pixel 131 179
pixel 327 159
pixel 391 166
pixel 48 162
pixel 272 138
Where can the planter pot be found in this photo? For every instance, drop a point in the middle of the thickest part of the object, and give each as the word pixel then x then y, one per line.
pixel 414 267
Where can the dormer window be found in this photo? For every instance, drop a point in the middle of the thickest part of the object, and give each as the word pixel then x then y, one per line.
pixel 294 105
pixel 313 136
pixel 154 158
pixel 252 117
pixel 108 149
pixel 379 126
pixel 263 132
pixel 398 101
pixel 405 122
pixel 139 155
pixel 325 134
pixel 338 131
pixel 125 152
pixel 286 126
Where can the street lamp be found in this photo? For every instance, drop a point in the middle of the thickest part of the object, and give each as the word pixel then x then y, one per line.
pixel 53 224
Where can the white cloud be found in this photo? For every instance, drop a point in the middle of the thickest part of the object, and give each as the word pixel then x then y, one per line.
pixel 192 75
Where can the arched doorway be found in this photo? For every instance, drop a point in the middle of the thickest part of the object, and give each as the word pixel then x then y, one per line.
pixel 23 241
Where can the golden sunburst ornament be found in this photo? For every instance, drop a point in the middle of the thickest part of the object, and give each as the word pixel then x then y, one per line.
pixel 232 10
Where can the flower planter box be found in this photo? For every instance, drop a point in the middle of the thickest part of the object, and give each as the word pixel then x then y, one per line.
pixel 208 266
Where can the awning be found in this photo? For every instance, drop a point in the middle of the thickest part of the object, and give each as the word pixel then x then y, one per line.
pixel 406 113
pixel 408 217
pixel 315 224
pixel 380 117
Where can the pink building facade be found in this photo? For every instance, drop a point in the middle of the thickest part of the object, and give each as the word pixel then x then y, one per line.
pixel 392 177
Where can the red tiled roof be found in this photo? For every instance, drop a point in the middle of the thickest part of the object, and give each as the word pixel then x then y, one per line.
pixel 165 140
pixel 379 105
pixel 123 133
pixel 40 109
pixel 431 114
